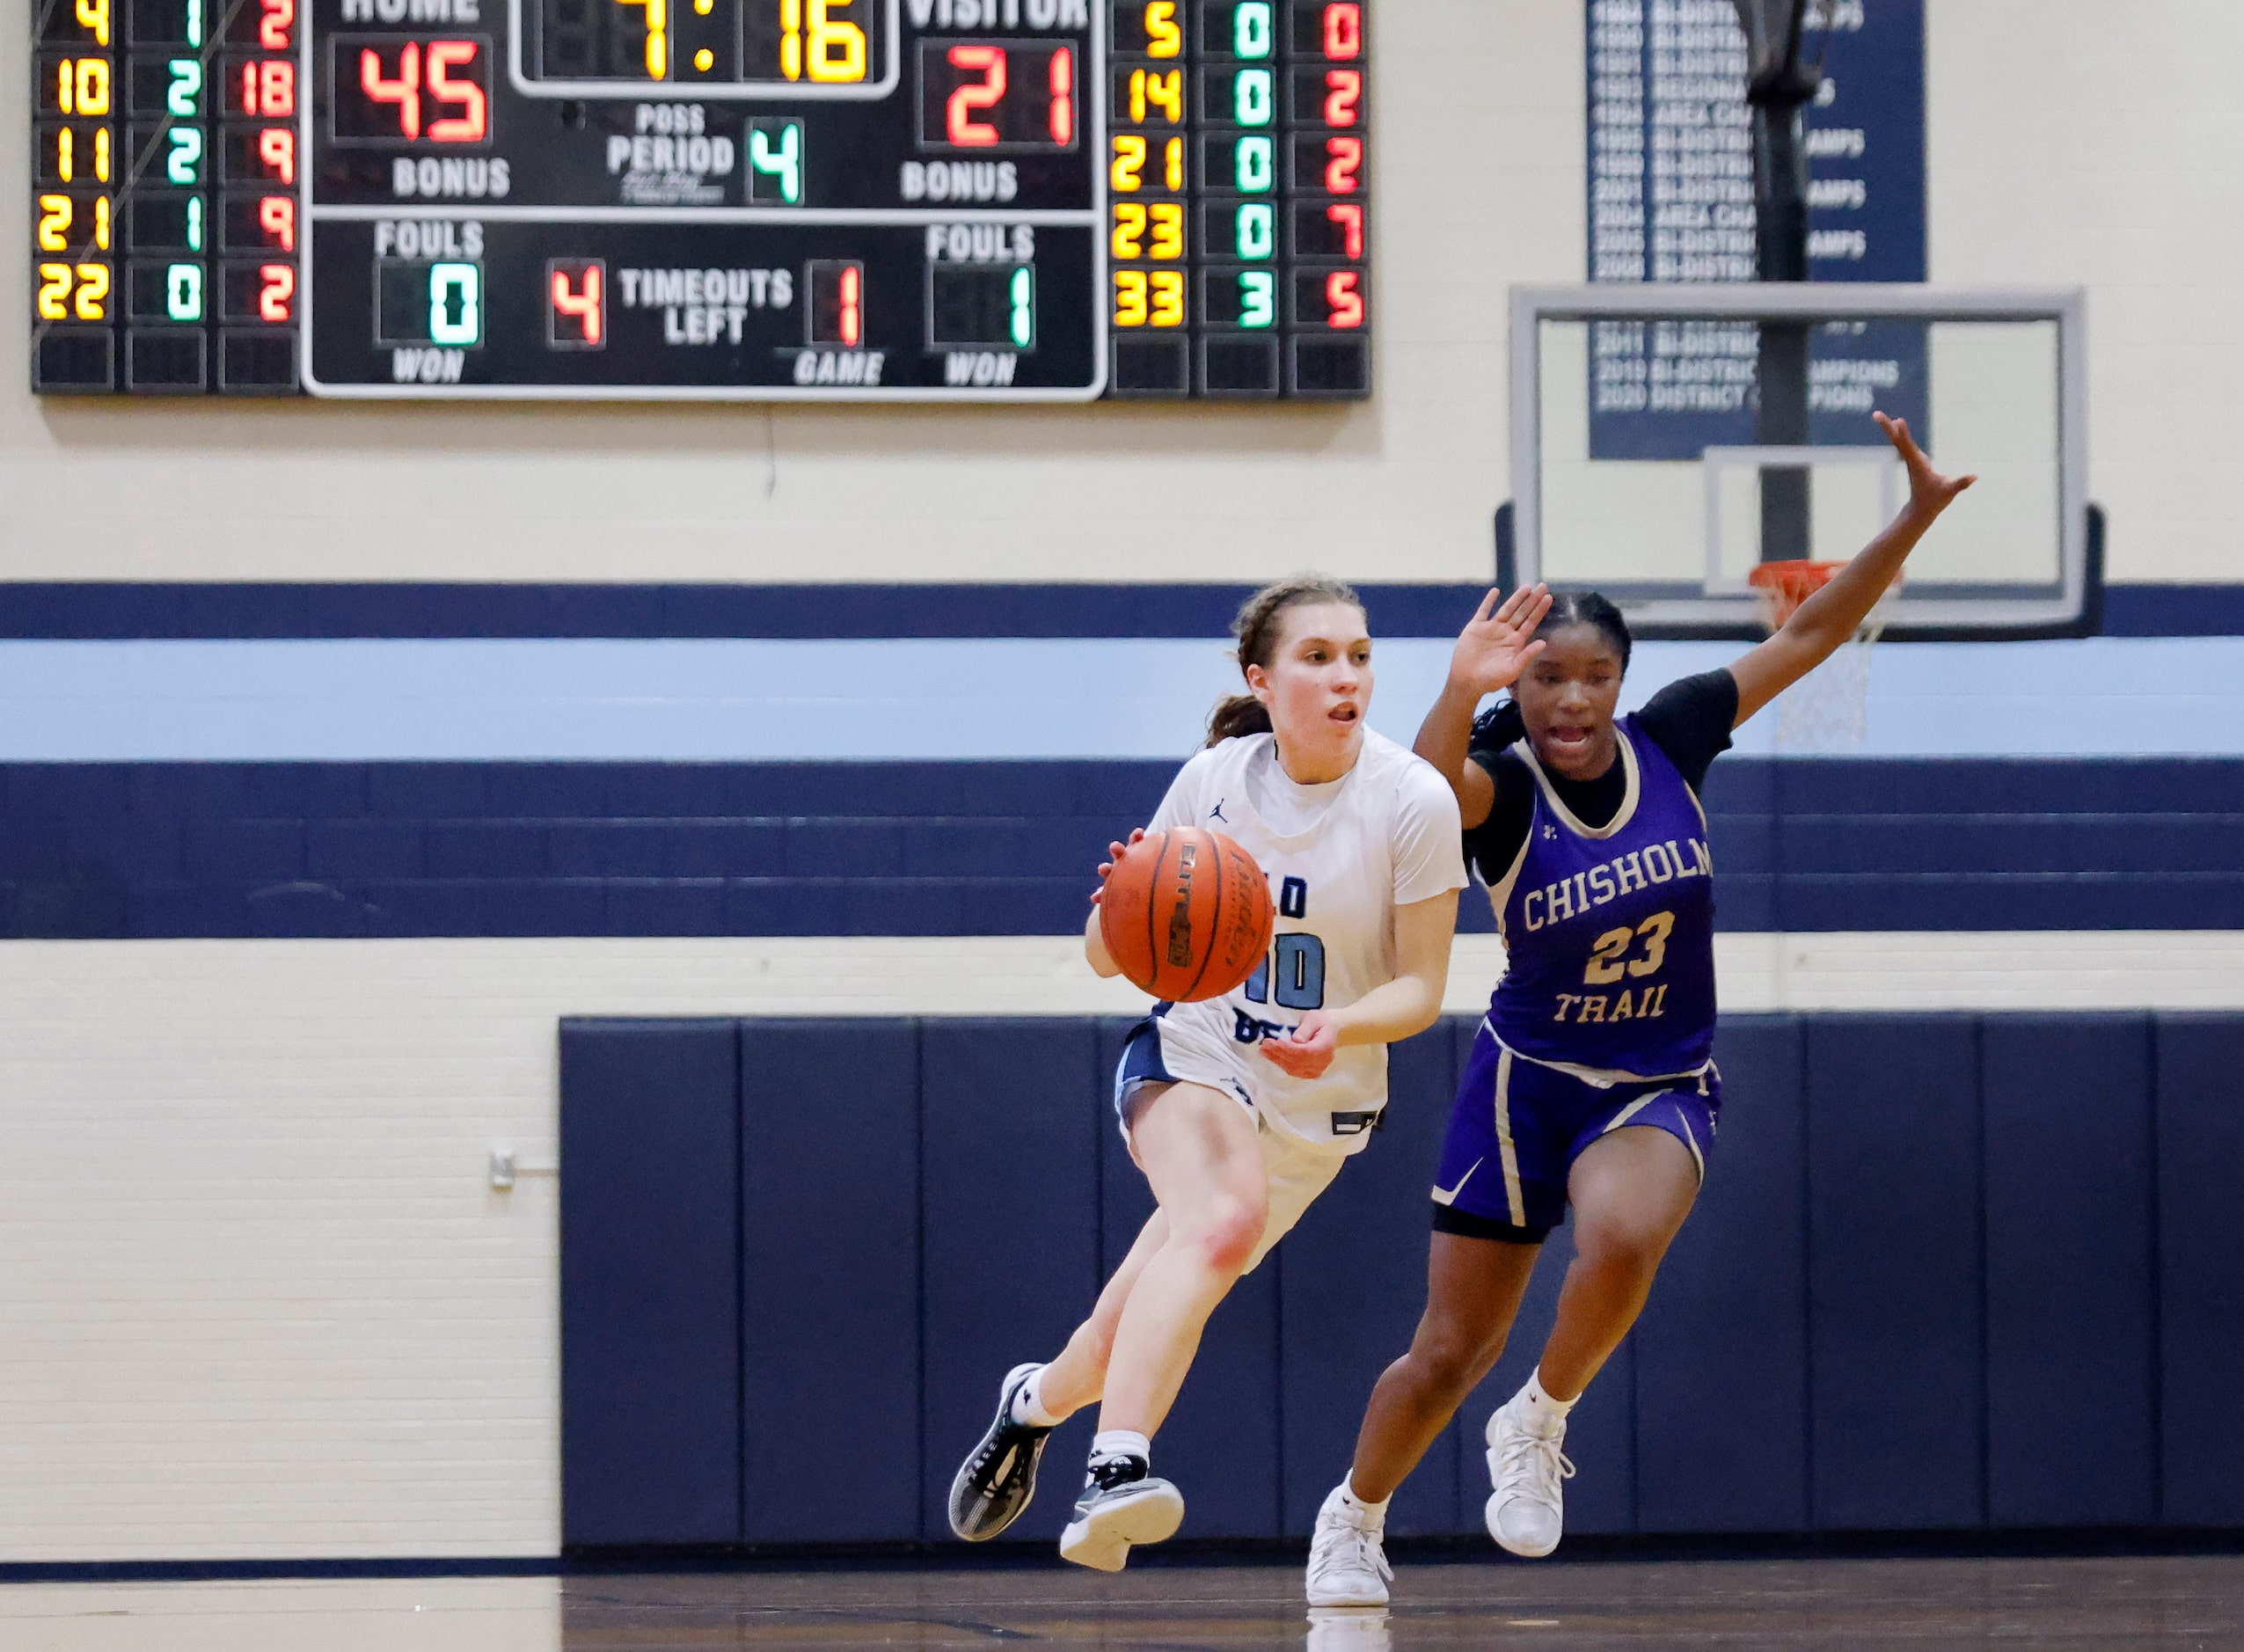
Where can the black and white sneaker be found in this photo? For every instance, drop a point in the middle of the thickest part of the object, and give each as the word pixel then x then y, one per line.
pixel 1122 1505
pixel 998 1477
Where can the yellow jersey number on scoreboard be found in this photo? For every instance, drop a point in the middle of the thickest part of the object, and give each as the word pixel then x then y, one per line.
pixel 1154 230
pixel 1148 298
pixel 1132 155
pixel 68 291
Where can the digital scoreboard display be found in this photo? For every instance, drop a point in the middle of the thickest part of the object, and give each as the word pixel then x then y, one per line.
pixel 993 200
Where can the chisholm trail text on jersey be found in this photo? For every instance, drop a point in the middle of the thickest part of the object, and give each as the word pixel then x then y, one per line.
pixel 1639 868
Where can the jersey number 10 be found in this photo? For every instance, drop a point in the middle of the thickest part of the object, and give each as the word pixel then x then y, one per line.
pixel 1294 973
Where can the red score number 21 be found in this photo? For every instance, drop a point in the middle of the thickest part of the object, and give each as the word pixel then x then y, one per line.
pixel 969 101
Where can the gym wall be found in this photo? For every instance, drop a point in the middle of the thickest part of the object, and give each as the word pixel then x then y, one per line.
pixel 287 927
pixel 2065 149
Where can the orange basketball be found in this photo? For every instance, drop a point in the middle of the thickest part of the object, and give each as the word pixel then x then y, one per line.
pixel 1187 915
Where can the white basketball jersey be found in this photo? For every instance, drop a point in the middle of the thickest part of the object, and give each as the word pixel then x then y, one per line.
pixel 1339 858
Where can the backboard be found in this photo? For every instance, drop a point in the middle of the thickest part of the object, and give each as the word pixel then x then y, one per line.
pixel 1642 464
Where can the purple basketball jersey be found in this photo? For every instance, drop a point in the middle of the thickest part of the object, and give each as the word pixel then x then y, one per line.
pixel 1611 933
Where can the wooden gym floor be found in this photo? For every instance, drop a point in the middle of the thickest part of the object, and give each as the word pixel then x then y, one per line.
pixel 2057 1605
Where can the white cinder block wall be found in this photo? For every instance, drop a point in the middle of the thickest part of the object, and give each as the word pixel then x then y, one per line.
pixel 256 1297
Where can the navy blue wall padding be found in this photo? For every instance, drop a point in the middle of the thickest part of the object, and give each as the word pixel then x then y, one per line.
pixel 1354 1275
pixel 1948 1272
pixel 2201 1260
pixel 1220 1443
pixel 101 609
pixel 1896 1275
pixel 1011 1233
pixel 118 610
pixel 189 850
pixel 830 1281
pixel 1721 1348
pixel 650 1298
pixel 2072 1405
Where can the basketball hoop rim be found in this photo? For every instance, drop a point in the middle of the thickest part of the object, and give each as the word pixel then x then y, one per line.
pixel 1783 586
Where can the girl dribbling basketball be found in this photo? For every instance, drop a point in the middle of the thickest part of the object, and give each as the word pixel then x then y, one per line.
pixel 1592 1081
pixel 1241 1109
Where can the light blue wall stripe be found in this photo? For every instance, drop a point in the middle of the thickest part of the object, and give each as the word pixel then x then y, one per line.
pixel 740 700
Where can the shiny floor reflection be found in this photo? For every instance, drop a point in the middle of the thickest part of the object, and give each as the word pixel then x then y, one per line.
pixel 2162 1602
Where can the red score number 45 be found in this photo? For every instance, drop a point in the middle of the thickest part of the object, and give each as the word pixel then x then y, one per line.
pixel 405 86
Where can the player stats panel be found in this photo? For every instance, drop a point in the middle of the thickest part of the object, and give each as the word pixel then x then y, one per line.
pixel 166 198
pixel 989 199
pixel 1238 198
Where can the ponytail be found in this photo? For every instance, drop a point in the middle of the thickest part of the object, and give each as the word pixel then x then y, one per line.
pixel 1257 629
pixel 1237 715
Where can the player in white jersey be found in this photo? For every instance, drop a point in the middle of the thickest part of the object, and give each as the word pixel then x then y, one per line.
pixel 1241 1110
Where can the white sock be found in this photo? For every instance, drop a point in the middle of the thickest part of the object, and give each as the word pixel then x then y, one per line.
pixel 1371 1515
pixel 1028 1403
pixel 1538 1406
pixel 1121 1442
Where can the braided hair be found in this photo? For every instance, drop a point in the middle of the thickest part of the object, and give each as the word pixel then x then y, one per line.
pixel 1590 609
pixel 1501 725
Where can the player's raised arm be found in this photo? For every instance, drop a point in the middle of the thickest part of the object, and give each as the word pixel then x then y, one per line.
pixel 1491 652
pixel 1830 617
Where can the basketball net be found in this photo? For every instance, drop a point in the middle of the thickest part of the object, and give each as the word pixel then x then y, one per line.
pixel 1829 709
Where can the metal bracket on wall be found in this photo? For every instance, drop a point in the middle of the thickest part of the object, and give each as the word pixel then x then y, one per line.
pixel 506 1167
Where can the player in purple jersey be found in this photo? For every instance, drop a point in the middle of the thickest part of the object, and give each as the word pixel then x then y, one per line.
pixel 1592 1083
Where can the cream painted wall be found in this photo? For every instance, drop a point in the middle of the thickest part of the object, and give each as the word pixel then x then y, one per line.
pixel 2083 142
pixel 2071 141
pixel 259 1301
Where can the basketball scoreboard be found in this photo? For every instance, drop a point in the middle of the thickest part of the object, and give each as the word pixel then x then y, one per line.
pixel 1008 199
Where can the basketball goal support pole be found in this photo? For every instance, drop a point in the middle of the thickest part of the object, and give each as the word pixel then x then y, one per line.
pixel 1777 90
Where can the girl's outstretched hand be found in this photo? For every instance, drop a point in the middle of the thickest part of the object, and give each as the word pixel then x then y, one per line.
pixel 1929 491
pixel 1495 644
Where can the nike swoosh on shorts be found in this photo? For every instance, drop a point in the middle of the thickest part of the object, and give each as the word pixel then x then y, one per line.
pixel 1444 1195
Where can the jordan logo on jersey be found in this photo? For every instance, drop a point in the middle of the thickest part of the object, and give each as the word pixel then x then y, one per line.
pixel 1216 812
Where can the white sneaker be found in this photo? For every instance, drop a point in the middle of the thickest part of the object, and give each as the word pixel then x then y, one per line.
pixel 1347 1566
pixel 1526 1511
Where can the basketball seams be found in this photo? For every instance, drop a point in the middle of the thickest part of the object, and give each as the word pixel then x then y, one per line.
pixel 1214 920
pixel 1153 964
